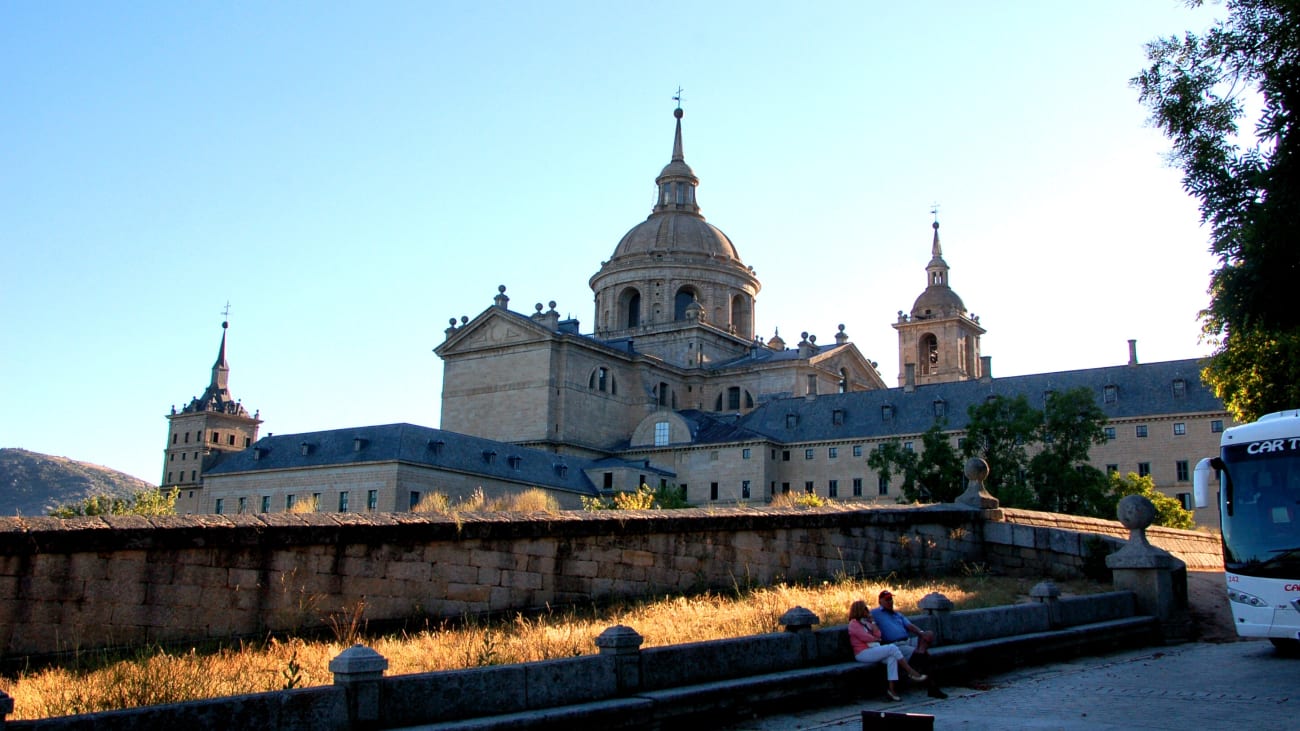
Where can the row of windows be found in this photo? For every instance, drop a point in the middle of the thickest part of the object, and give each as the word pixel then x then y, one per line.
pixel 216 437
pixel 291 502
pixel 811 452
pixel 172 457
pixel 194 475
pixel 1182 470
pixel 1110 393
pixel 1180 429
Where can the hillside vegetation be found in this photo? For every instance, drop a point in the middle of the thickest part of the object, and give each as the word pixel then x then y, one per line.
pixel 34 484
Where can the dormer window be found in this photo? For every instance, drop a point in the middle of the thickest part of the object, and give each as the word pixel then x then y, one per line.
pixel 791 421
pixel 837 417
pixel 489 456
pixel 436 445
pixel 1110 394
pixel 561 470
pixel 940 408
pixel 514 461
pixel 359 443
pixel 305 447
pixel 1180 388
pixel 886 413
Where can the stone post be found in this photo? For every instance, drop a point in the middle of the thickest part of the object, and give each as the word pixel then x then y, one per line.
pixel 977 471
pixel 358 671
pixel 1157 577
pixel 937 607
pixel 1047 592
pixel 624 643
pixel 800 621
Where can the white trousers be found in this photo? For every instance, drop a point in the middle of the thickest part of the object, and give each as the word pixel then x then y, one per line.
pixel 888 654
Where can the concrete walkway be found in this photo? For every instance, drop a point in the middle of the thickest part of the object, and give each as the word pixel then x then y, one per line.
pixel 1186 687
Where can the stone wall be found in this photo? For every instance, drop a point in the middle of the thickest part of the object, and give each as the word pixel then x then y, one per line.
pixel 123 580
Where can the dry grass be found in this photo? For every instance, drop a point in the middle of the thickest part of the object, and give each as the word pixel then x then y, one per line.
pixel 529 501
pixel 154 676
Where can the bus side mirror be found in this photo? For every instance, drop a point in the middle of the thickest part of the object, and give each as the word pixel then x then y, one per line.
pixel 1201 479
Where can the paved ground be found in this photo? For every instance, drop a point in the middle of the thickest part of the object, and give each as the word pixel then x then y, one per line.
pixel 1187 687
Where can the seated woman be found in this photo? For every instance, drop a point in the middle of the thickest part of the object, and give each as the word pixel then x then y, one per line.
pixel 864 636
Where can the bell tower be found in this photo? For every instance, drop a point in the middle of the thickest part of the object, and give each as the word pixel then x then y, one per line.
pixel 938 340
pixel 205 427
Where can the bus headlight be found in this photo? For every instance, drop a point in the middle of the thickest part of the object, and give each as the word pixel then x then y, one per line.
pixel 1242 597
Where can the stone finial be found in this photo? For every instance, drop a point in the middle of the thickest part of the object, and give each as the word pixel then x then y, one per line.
pixel 935 602
pixel 841 337
pixel 357 661
pixel 977 471
pixel 501 300
pixel 1137 513
pixel 799 619
pixel 1045 590
pixel 619 640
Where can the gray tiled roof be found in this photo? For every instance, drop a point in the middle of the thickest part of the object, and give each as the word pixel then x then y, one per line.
pixel 1141 390
pixel 418 445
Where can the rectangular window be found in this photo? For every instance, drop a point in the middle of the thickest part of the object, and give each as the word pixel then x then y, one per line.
pixel 837 417
pixel 833 452
pixel 1180 388
pixel 939 408
pixel 808 487
pixel 215 438
pixel 785 488
pixel 247 441
pixel 1185 499
pixel 857 450
pixel 907 446
pixel 174 437
pixel 289 500
pixel 791 421
pixel 1216 426
pixel 882 486
pixel 1109 394
pixel 221 504
pixel 785 455
pixel 886 413
pixel 713 491
pixel 230 440
pixel 169 475
pixel 744 489
pixel 1112 469
pixel 1180 470
pixel 343 501
pixel 414 499
pixel 1110 433
pixel 1179 428
pixel 266 503
pixel 661 434
pixel 833 488
pixel 773 455
pixel 1142 431
pixel 608 481
pixel 1144 469
pixel 807 454
pixel 372 500
pixel 187 437
pixel 315 501
pixel 243 505
pixel 744 453
pixel 857 487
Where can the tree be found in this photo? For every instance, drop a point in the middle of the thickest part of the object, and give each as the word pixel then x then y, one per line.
pixel 998 432
pixel 144 502
pixel 1169 512
pixel 1198 89
pixel 933 475
pixel 1062 478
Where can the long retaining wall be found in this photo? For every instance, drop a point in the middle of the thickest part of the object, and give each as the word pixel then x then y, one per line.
pixel 113 581
pixel 110 581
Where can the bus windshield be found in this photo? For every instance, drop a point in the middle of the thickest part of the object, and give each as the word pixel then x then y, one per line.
pixel 1260 509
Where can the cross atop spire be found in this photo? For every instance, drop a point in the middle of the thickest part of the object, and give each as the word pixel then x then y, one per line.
pixel 678 98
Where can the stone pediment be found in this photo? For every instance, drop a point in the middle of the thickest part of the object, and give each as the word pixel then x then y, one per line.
pixel 494 328
pixel 850 359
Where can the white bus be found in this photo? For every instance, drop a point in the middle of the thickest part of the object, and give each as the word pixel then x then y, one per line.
pixel 1258 470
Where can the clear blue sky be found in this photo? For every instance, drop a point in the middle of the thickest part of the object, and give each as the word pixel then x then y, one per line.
pixel 350 175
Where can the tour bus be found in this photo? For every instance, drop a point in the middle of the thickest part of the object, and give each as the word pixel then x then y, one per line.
pixel 1258 471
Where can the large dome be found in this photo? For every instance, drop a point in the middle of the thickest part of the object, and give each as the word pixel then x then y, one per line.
pixel 676 233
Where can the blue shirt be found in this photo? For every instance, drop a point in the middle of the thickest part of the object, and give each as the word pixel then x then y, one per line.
pixel 893 625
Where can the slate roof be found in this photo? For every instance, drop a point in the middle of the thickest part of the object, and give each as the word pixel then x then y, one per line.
pixel 1144 390
pixel 416 445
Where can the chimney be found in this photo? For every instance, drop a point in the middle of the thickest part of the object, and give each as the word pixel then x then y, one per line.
pixel 1132 352
pixel 909 377
pixel 986 368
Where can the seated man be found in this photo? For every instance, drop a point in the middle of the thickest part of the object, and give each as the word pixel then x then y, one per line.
pixel 898 630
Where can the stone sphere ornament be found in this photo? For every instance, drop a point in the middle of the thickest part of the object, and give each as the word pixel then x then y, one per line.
pixel 1136 512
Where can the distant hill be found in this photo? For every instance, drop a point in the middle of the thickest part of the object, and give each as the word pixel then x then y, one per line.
pixel 32 484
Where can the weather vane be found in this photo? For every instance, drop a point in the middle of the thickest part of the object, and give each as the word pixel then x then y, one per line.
pixel 678 97
pixel 225 312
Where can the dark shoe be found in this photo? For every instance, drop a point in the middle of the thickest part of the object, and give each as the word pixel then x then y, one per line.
pixel 919 677
pixel 936 693
pixel 892 695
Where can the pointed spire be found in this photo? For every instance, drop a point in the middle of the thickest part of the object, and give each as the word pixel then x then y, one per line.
pixel 220 369
pixel 937 269
pixel 677 182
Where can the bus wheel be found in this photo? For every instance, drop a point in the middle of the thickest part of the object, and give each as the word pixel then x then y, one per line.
pixel 1285 646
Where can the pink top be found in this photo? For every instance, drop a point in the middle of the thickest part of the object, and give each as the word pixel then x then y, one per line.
pixel 860 637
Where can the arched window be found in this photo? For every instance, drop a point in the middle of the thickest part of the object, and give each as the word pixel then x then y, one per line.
pixel 601 380
pixel 844 380
pixel 741 320
pixel 929 354
pixel 685 296
pixel 630 307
